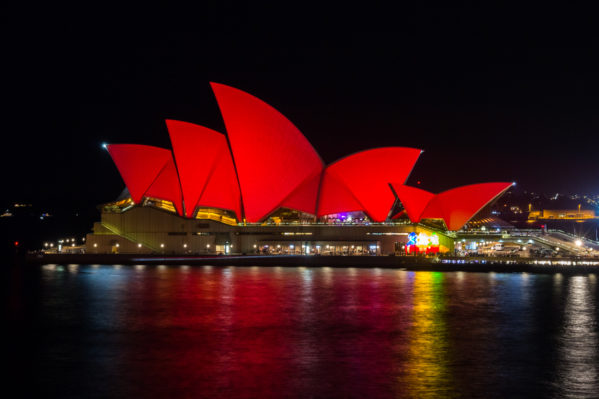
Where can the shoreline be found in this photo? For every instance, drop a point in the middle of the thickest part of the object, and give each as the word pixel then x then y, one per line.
pixel 411 263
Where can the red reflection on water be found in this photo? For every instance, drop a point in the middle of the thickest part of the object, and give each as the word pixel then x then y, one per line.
pixel 260 333
pixel 110 331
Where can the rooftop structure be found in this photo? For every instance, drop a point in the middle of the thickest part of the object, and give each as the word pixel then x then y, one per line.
pixel 265 165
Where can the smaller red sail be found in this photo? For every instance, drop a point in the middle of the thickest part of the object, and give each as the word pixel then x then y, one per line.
pixel 366 175
pixel 414 200
pixel 138 165
pixel 205 167
pixel 458 205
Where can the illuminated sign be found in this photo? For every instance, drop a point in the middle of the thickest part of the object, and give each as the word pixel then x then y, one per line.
pixel 422 240
pixel 412 239
pixel 422 243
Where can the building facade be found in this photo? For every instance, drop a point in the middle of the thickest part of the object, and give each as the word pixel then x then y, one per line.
pixel 149 230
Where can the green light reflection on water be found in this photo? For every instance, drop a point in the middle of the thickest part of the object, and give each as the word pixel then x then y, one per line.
pixel 426 366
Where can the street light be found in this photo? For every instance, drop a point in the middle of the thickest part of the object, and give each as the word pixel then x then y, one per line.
pixel 578 243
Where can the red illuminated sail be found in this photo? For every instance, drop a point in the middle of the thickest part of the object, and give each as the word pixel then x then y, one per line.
pixel 335 197
pixel 205 167
pixel 413 199
pixel 138 165
pixel 458 205
pixel 365 177
pixel 273 158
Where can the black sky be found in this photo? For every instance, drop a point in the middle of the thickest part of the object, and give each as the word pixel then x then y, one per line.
pixel 488 94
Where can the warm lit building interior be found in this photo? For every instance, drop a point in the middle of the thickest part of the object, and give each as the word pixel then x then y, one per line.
pixel 568 214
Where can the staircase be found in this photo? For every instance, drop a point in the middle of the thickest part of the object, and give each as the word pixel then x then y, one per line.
pixel 130 237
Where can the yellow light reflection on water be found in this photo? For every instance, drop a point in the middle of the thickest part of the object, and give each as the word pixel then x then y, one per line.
pixel 426 368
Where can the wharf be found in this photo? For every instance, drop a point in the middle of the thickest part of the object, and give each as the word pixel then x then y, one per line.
pixel 413 263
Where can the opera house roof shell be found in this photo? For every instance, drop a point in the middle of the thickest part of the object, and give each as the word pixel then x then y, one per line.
pixel 265 163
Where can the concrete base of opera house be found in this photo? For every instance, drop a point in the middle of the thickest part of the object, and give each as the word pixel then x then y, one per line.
pixel 149 230
pixel 410 263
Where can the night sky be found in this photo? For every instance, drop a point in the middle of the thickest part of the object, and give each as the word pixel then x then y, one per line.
pixel 490 95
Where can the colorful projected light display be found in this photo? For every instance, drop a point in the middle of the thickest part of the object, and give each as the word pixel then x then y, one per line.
pixel 422 243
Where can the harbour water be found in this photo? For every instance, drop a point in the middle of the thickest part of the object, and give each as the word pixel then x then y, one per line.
pixel 257 332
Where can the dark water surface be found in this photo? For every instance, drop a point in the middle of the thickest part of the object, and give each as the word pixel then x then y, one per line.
pixel 158 331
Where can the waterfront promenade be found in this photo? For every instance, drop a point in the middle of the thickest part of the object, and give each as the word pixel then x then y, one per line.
pixel 447 263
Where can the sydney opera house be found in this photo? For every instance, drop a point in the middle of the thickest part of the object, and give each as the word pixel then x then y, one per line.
pixel 262 188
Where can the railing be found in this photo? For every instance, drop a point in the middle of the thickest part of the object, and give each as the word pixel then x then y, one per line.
pixel 528 261
pixel 574 236
pixel 528 233
pixel 541 237
pixel 559 244
pixel 328 224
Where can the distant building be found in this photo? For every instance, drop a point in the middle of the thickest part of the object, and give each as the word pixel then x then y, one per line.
pixel 562 214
